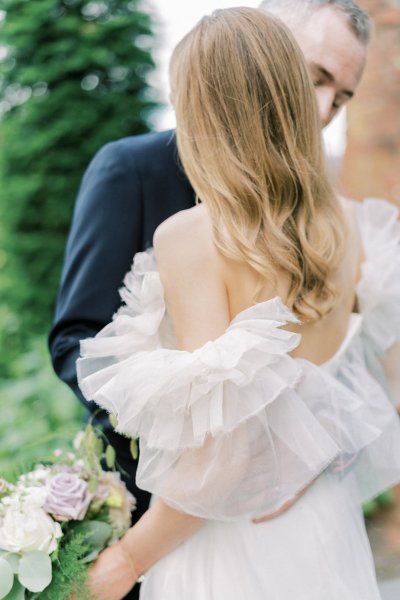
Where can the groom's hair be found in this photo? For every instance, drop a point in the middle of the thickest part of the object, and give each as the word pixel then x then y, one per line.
pixel 293 12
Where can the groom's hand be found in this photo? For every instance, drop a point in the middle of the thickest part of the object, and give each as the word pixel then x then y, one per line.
pixel 112 576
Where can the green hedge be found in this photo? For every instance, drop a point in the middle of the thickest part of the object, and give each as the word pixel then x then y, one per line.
pixel 73 79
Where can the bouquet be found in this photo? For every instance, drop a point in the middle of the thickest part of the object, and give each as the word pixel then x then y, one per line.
pixel 57 518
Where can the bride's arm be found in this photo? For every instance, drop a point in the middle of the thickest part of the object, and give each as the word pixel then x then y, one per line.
pixel 198 306
pixel 158 532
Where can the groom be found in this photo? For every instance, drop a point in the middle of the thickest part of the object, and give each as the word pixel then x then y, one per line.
pixel 134 184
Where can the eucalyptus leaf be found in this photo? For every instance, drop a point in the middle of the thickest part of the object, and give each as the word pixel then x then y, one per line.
pixel 96 533
pixel 134 449
pixel 110 457
pixel 35 571
pixel 13 561
pixel 17 592
pixel 91 556
pixel 6 578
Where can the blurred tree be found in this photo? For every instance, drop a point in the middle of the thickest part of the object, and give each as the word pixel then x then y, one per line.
pixel 72 77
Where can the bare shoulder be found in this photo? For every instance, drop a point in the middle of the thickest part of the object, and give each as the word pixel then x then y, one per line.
pixel 195 291
pixel 185 239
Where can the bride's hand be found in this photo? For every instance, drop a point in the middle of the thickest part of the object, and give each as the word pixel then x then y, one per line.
pixel 112 575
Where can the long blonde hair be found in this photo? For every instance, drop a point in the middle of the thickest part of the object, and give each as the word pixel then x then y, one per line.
pixel 249 138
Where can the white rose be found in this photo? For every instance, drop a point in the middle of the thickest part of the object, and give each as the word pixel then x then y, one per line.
pixel 28 528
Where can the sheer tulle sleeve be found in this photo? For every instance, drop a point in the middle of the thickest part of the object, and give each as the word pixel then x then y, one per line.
pixel 379 288
pixel 379 291
pixel 233 429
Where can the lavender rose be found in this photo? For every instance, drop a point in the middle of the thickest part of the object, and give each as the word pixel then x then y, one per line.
pixel 67 497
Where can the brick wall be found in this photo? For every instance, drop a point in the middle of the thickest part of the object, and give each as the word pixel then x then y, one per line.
pixel 371 165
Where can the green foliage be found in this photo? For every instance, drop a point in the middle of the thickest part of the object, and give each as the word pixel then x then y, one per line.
pixel 72 575
pixel 73 79
pixel 38 412
pixel 17 592
pixel 97 535
pixel 372 507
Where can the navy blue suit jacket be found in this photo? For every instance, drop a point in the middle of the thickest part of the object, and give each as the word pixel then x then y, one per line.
pixel 129 188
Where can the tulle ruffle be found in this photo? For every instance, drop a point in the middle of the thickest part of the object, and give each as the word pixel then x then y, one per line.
pixel 238 427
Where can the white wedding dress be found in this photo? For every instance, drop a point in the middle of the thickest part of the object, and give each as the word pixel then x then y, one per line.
pixel 236 428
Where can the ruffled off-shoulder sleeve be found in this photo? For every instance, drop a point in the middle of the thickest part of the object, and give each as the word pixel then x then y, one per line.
pixel 231 430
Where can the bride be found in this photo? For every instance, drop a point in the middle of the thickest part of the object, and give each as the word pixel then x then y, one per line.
pixel 247 355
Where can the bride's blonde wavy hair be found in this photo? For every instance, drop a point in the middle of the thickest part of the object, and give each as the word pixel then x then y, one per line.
pixel 249 138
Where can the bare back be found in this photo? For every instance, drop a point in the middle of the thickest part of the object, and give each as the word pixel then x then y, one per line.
pixel 205 290
pixel 320 339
